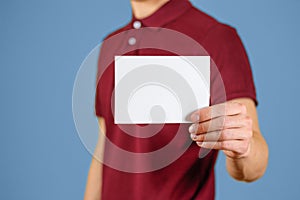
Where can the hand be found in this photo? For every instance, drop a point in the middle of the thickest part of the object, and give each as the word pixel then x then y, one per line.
pixel 224 127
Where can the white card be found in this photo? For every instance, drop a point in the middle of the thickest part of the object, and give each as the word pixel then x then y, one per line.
pixel 160 89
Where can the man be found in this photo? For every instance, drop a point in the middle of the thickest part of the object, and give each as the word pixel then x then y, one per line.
pixel 230 125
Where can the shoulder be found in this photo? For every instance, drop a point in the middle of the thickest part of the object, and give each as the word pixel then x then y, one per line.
pixel 202 26
pixel 118 31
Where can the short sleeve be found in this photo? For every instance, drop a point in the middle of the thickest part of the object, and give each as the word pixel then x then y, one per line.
pixel 235 76
pixel 104 80
pixel 105 75
pixel 98 101
pixel 98 109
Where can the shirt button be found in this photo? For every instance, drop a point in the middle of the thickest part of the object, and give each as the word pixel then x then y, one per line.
pixel 132 41
pixel 137 24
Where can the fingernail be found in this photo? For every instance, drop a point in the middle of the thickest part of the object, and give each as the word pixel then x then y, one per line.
pixel 199 143
pixel 195 117
pixel 193 136
pixel 192 128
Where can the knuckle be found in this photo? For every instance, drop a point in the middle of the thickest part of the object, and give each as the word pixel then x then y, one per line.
pixel 196 128
pixel 243 108
pixel 249 134
pixel 201 138
pixel 200 128
pixel 238 105
pixel 246 134
pixel 244 146
pixel 248 121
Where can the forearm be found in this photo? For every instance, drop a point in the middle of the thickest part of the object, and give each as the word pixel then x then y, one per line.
pixel 253 166
pixel 94 181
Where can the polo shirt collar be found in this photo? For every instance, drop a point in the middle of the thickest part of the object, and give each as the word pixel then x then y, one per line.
pixel 165 14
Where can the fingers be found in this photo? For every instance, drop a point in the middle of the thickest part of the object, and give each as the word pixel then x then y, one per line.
pixel 220 123
pixel 228 108
pixel 240 147
pixel 224 127
pixel 226 134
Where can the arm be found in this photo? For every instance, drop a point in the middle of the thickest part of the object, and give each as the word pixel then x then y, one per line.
pixel 94 180
pixel 253 165
pixel 233 127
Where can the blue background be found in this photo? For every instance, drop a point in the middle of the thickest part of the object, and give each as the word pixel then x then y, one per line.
pixel 42 46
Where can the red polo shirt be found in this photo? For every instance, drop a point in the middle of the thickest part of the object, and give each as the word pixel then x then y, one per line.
pixel 188 177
